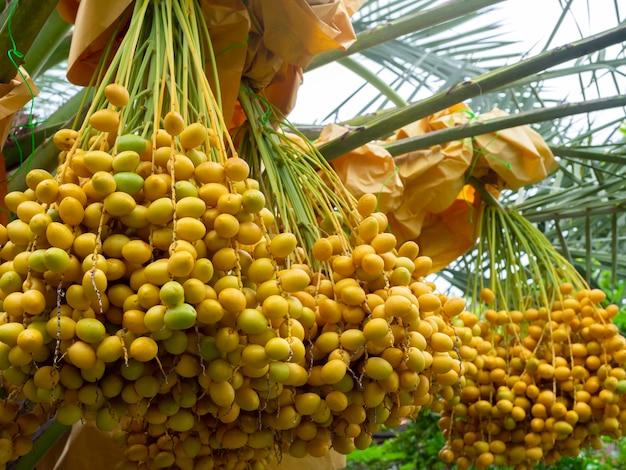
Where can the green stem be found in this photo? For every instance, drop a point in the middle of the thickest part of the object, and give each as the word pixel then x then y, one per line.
pixel 155 74
pixel 402 26
pixel 515 284
pixel 200 55
pixel 588 241
pixel 59 54
pixel 606 258
pixel 618 208
pixel 600 65
pixel 25 20
pixel 577 153
pixel 275 183
pixel 374 80
pixel 104 74
pixel 614 248
pixel 209 56
pixel 476 277
pixel 459 92
pixel 478 127
pixel 562 241
pixel 485 195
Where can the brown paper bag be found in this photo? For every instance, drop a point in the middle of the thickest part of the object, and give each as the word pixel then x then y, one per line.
pixel 518 155
pixel 435 176
pixel 229 25
pixel 94 24
pixel 13 97
pixel 367 169
pixel 446 235
pixel 427 200
pixel 432 178
pixel 296 31
pixel 86 447
pixel 255 40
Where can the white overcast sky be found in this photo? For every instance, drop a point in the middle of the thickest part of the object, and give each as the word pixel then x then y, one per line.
pixel 528 21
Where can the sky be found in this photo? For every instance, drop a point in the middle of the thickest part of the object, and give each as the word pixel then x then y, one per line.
pixel 529 22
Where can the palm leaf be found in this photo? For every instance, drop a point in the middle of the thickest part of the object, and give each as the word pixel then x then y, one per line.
pixel 21 24
pixel 429 68
pixel 484 83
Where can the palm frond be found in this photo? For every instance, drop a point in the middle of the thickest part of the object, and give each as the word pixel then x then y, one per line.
pixel 580 208
pixel 21 23
pixel 467 89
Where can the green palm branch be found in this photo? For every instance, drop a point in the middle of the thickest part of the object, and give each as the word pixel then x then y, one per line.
pixel 414 58
pixel 420 57
pixel 580 208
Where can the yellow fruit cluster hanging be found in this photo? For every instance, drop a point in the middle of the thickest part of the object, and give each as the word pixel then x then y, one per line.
pixel 543 365
pixel 173 307
pixel 19 424
pixel 147 288
pixel 538 385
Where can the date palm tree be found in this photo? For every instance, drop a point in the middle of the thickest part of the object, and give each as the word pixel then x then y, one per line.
pixel 434 54
pixel 414 58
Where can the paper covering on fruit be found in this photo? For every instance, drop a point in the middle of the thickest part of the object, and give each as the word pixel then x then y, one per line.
pixel 267 41
pixel 13 96
pixel 425 192
pixel 213 294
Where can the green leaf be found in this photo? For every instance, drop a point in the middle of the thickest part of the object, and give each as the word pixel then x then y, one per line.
pixel 50 42
pixel 406 24
pixel 459 92
pixel 24 21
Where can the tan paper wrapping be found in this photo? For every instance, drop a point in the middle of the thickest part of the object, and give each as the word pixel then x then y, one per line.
pixel 13 96
pixel 268 40
pixel 229 26
pixel 433 177
pixel 283 89
pixel 518 155
pixel 296 31
pixel 94 23
pixel 86 447
pixel 446 235
pixel 424 193
pixel 331 461
pixel 414 187
pixel 367 169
